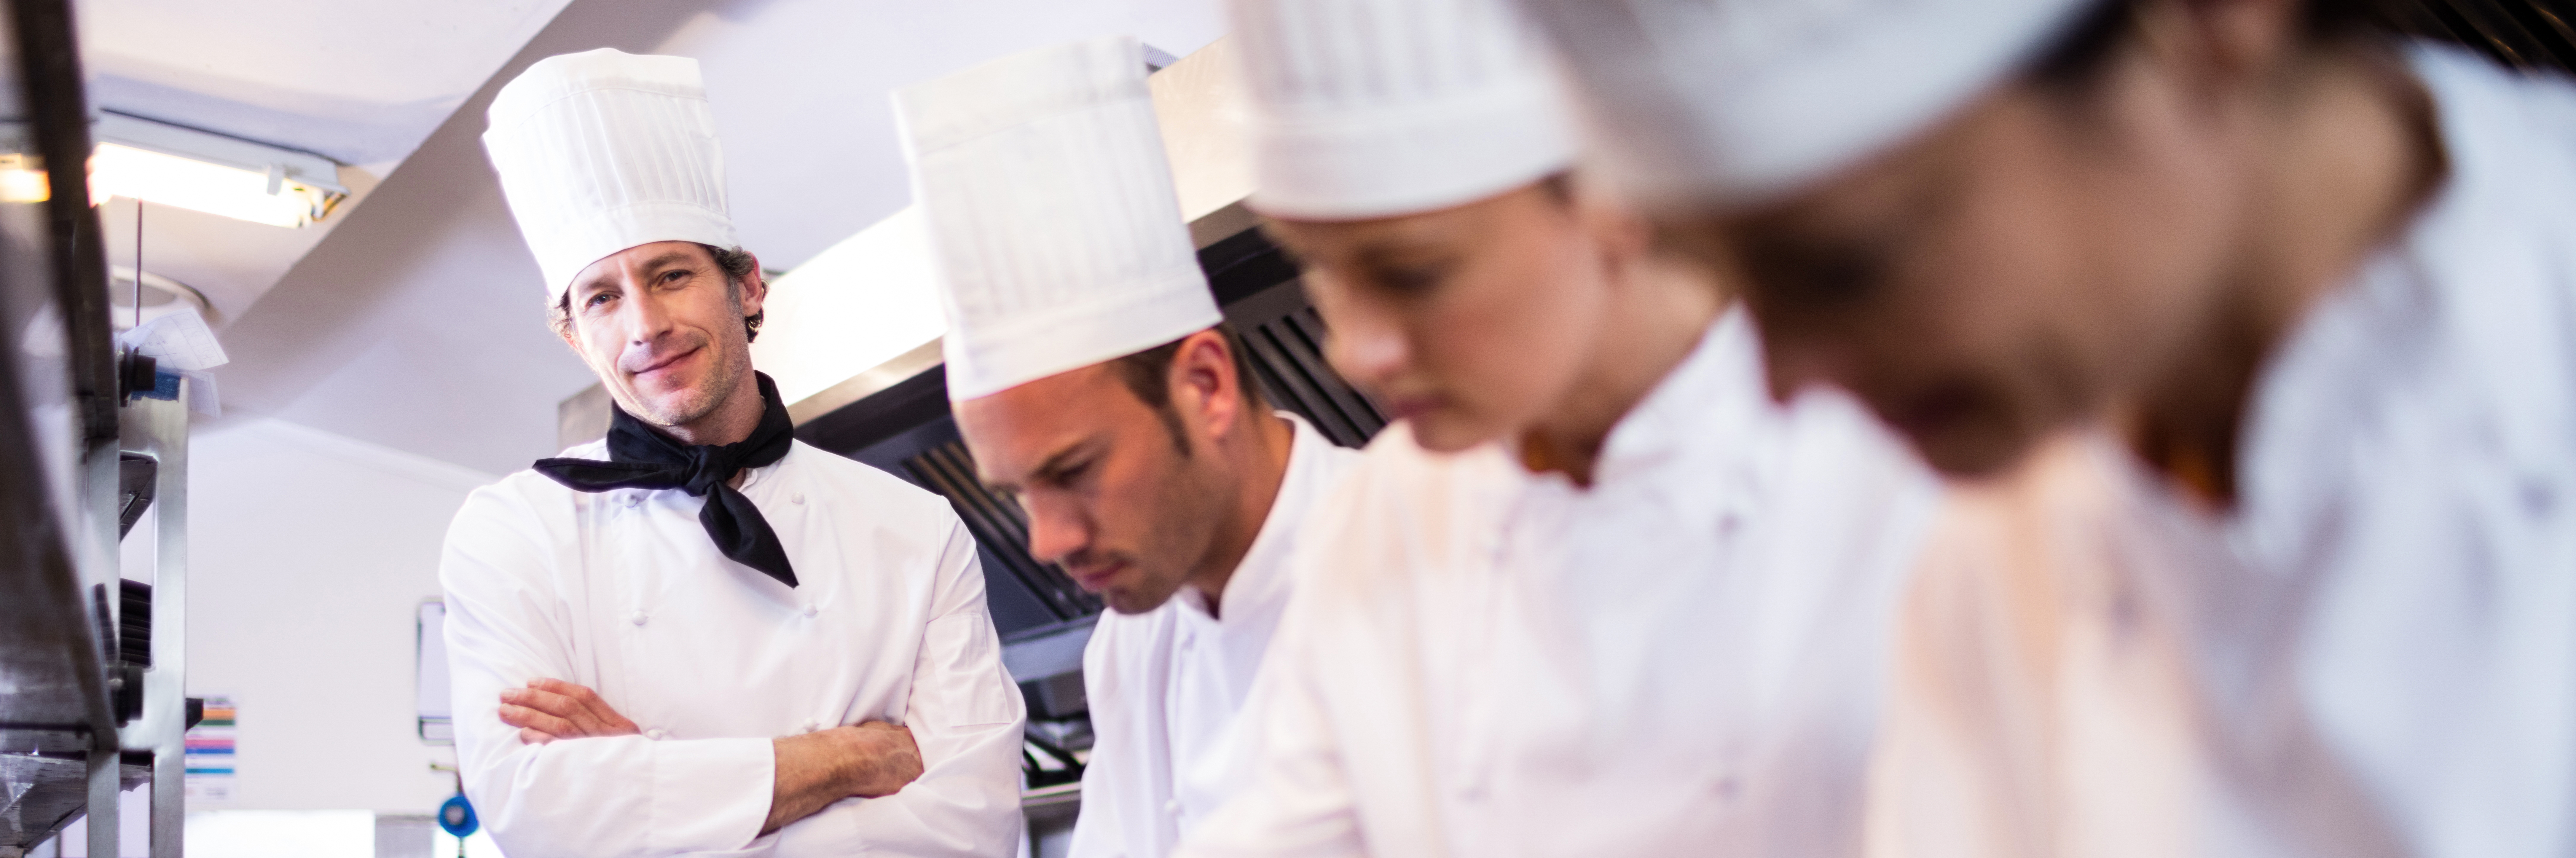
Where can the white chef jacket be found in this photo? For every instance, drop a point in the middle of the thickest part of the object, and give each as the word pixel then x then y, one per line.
pixel 2379 639
pixel 2048 701
pixel 1165 685
pixel 1682 659
pixel 2409 474
pixel 623 592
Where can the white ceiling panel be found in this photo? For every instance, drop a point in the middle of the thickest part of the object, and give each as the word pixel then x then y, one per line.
pixel 359 81
pixel 802 89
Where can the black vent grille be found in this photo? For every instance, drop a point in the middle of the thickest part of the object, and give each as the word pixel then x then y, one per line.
pixel 1257 285
pixel 1288 355
pixel 2530 34
pixel 1000 526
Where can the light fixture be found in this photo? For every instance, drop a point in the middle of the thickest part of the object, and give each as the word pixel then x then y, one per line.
pixel 173 165
pixel 21 181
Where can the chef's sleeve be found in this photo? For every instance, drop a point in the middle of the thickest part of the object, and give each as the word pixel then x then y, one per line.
pixel 610 797
pixel 1300 803
pixel 1119 786
pixel 966 716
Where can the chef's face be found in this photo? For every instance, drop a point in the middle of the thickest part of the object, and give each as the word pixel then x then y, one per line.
pixel 663 329
pixel 1127 498
pixel 2037 258
pixel 1470 321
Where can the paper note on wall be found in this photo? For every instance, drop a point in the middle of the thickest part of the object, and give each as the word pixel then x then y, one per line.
pixel 211 754
pixel 431 672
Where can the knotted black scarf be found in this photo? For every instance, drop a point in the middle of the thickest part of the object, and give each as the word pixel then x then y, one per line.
pixel 640 458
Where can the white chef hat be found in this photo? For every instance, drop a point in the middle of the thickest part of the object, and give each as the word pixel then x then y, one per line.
pixel 604 150
pixel 1739 101
pixel 1376 108
pixel 1053 221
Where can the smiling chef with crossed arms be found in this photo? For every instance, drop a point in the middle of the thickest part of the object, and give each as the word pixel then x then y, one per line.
pixel 699 636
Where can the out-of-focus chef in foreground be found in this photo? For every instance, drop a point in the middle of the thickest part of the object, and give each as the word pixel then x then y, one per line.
pixel 1594 593
pixel 1090 376
pixel 2315 288
pixel 698 635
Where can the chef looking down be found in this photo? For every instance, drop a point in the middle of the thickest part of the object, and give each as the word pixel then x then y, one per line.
pixel 2306 291
pixel 1092 379
pixel 1594 593
pixel 698 635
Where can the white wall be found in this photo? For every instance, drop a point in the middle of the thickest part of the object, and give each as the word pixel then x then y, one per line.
pixel 309 553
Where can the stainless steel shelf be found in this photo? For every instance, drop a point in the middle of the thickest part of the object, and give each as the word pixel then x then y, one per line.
pixel 49 792
pixel 57 725
pixel 53 692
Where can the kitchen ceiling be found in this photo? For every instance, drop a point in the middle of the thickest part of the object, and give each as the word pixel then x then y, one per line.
pixel 412 317
pixel 360 83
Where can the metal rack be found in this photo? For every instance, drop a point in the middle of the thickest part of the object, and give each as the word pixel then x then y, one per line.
pixel 83 720
pixel 87 708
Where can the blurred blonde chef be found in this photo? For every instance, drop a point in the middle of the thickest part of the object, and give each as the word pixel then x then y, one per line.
pixel 1092 379
pixel 2308 293
pixel 1595 593
pixel 699 636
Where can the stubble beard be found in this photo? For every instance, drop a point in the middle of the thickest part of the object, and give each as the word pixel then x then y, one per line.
pixel 1184 539
pixel 732 359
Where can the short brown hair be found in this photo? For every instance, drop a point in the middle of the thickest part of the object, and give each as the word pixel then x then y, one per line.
pixel 1148 374
pixel 736 264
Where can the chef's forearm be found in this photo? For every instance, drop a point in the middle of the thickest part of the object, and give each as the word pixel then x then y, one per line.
pixel 816 769
pixel 806 782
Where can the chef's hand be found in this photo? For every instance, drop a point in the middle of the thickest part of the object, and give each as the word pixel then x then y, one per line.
pixel 880 757
pixel 550 709
pixel 816 769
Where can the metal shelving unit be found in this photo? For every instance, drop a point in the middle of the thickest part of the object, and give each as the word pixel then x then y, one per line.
pixel 80 720
pixel 87 708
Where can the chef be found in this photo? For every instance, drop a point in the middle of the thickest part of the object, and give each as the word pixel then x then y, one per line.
pixel 2307 291
pixel 1594 593
pixel 1094 380
pixel 699 636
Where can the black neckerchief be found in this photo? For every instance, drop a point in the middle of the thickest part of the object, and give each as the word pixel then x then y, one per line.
pixel 640 458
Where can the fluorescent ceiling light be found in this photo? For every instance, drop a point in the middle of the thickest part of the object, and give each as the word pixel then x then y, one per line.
pixel 172 165
pixel 20 182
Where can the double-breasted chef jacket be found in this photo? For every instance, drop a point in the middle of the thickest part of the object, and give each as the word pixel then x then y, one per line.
pixel 2374 651
pixel 1165 685
pixel 623 592
pixel 1682 659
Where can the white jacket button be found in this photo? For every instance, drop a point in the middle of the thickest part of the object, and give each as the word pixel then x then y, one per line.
pixel 634 499
pixel 798 497
pixel 810 610
pixel 655 734
pixel 812 724
pixel 639 617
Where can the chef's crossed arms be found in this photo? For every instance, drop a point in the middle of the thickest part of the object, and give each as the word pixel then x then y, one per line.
pixel 869 760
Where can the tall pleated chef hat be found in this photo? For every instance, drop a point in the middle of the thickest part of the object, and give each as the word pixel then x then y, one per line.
pixel 1736 102
pixel 604 150
pixel 1376 108
pixel 1053 222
